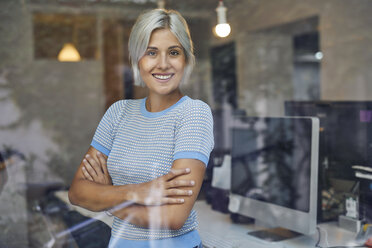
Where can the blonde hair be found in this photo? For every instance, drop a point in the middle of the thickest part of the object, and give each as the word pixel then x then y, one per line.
pixel 141 33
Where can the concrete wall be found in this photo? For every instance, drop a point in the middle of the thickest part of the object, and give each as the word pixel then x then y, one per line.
pixel 264 72
pixel 49 110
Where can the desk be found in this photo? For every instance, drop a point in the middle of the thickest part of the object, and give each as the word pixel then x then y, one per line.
pixel 217 231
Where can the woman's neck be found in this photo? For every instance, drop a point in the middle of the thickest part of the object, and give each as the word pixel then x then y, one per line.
pixel 157 103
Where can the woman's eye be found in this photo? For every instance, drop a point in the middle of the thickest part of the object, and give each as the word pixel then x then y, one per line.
pixel 151 53
pixel 174 53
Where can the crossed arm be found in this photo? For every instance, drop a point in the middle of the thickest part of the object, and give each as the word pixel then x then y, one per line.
pixel 165 202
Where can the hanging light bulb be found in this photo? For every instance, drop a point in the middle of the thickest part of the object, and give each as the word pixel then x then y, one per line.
pixel 69 53
pixel 222 28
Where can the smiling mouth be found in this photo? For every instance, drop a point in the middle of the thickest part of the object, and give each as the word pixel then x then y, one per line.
pixel 162 76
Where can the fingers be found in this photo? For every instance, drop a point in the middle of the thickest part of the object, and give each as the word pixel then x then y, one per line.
pixel 94 163
pixel 86 174
pixel 103 162
pixel 156 202
pixel 164 190
pixel 180 183
pixel 176 172
pixel 178 192
pixel 173 201
pixel 88 169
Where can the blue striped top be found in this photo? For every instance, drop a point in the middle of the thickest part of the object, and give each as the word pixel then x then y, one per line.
pixel 142 146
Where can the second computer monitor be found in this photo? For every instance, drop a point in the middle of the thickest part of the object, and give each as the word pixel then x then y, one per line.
pixel 274 171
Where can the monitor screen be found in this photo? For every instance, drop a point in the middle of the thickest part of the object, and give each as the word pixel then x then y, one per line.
pixel 274 170
pixel 346 133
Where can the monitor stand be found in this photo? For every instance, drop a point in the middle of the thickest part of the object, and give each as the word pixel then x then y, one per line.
pixel 274 234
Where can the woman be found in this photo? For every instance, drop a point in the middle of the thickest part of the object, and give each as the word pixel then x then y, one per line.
pixel 156 148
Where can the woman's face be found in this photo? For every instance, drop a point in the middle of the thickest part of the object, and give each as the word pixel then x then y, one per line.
pixel 163 64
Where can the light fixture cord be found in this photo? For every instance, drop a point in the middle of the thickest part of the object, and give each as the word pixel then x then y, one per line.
pixel 161 4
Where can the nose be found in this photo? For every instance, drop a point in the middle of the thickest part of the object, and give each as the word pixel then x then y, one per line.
pixel 163 62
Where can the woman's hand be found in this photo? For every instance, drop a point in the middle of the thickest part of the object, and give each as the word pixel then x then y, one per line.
pixel 167 189
pixel 96 169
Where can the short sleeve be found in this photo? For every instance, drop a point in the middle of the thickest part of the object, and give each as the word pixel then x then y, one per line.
pixel 194 133
pixel 105 132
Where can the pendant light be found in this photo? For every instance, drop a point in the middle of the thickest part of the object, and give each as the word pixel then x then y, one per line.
pixel 69 53
pixel 222 28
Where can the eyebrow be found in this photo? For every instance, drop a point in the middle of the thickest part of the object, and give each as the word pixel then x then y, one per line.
pixel 171 47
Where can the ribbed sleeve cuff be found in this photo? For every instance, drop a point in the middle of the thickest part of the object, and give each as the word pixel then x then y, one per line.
pixel 193 155
pixel 100 147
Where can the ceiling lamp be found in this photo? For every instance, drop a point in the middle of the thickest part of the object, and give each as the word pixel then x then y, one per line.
pixel 69 53
pixel 222 28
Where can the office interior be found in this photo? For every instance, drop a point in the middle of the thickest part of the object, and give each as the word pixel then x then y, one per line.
pixel 278 52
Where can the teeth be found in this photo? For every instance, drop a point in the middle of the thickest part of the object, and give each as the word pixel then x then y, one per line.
pixel 162 77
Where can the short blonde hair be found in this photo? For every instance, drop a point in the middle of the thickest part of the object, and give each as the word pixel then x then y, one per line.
pixel 141 33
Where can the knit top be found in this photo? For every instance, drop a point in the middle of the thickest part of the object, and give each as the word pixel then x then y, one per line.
pixel 142 146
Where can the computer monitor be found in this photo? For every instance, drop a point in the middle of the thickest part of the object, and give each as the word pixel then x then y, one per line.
pixel 345 134
pixel 274 162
